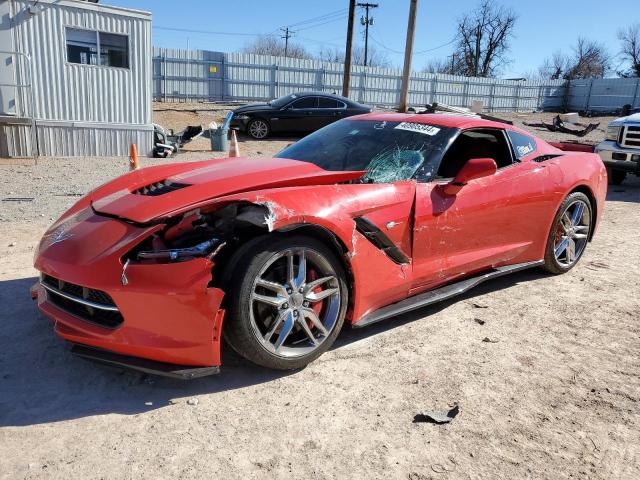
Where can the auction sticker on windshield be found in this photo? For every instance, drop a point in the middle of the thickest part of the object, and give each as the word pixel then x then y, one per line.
pixel 418 127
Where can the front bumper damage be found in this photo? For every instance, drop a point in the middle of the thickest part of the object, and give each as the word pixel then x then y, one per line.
pixel 171 315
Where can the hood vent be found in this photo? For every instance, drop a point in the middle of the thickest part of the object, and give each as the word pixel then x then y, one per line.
pixel 159 188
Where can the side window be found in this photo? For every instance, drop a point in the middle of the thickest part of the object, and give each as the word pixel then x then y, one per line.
pixel 305 102
pixel 324 102
pixel 82 46
pixel 479 143
pixel 88 47
pixel 523 145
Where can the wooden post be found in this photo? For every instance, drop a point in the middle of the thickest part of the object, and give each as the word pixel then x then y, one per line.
pixel 408 53
pixel 346 78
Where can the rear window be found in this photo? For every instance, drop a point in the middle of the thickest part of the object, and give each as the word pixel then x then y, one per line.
pixel 387 151
pixel 324 102
pixel 523 145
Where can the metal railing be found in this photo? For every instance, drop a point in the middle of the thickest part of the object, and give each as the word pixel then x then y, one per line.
pixel 25 113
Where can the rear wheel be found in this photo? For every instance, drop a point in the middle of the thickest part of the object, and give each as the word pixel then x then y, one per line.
pixel 569 234
pixel 287 301
pixel 616 177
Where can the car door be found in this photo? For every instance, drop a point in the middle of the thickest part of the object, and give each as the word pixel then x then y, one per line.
pixel 329 110
pixel 493 221
pixel 298 116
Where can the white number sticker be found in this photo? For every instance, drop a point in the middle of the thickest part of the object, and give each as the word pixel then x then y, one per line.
pixel 418 127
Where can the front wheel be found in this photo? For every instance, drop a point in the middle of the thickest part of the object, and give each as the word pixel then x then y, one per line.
pixel 287 301
pixel 616 177
pixel 569 234
pixel 258 129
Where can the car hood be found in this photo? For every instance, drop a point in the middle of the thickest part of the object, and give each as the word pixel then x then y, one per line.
pixel 635 118
pixel 144 196
pixel 254 107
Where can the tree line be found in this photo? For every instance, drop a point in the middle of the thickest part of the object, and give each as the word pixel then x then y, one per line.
pixel 481 49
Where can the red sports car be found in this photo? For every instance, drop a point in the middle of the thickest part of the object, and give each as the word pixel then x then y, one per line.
pixel 360 221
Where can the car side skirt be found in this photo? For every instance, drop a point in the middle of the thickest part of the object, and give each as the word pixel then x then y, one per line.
pixel 440 294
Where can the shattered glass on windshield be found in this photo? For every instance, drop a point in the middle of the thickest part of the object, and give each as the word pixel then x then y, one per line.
pixel 387 151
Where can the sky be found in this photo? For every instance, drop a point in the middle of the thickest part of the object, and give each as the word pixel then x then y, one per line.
pixel 543 26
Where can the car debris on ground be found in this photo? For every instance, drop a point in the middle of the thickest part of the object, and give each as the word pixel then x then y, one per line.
pixel 167 144
pixel 559 125
pixel 429 416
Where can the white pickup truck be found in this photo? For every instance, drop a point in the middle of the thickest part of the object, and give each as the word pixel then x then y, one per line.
pixel 620 150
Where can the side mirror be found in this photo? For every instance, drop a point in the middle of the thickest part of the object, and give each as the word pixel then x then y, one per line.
pixel 473 169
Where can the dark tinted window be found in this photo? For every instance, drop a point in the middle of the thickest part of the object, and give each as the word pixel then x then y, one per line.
pixel 306 102
pixel 324 102
pixel 388 151
pixel 523 145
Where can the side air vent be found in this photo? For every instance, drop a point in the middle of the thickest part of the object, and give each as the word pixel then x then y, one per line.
pixel 376 236
pixel 159 188
pixel 544 158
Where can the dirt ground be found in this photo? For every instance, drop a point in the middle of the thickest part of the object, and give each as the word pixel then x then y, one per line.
pixel 554 391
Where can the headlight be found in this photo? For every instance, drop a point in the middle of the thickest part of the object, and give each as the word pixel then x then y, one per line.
pixel 613 133
pixel 242 117
pixel 177 254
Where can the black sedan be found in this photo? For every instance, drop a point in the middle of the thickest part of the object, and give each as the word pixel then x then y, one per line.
pixel 295 113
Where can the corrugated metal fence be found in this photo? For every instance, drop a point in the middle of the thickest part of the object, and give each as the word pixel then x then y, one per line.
pixel 198 75
pixel 603 94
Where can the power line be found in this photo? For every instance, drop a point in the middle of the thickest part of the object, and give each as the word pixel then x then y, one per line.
pixel 382 45
pixel 208 32
pixel 342 11
pixel 341 17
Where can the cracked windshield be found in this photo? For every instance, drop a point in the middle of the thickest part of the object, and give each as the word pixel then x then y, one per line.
pixel 387 151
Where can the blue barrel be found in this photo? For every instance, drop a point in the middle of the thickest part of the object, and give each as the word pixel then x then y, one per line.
pixel 219 139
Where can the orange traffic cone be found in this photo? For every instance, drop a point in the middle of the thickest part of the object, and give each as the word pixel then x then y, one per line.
pixel 234 150
pixel 133 157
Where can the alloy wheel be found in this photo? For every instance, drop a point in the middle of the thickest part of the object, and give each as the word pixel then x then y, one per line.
pixel 572 233
pixel 258 129
pixel 295 302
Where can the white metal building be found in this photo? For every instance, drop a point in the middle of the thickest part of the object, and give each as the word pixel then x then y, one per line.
pixel 78 71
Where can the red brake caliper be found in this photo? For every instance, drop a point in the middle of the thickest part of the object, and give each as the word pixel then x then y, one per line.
pixel 316 307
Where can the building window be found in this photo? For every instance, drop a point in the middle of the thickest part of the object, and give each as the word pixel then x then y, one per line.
pixel 83 47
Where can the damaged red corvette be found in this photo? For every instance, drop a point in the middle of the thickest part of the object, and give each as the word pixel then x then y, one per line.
pixel 365 219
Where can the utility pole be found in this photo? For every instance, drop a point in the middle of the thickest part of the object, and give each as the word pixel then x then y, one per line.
pixel 408 53
pixel 366 21
pixel 346 78
pixel 287 34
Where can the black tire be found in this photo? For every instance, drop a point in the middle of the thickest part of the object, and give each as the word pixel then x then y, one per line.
pixel 616 177
pixel 239 331
pixel 253 130
pixel 551 263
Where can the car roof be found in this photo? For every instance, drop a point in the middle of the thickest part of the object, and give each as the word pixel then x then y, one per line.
pixel 440 119
pixel 326 94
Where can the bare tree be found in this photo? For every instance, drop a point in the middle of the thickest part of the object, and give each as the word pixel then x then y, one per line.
pixel 554 67
pixel 483 39
pixel 273 45
pixel 375 57
pixel 451 66
pixel 630 49
pixel 590 60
